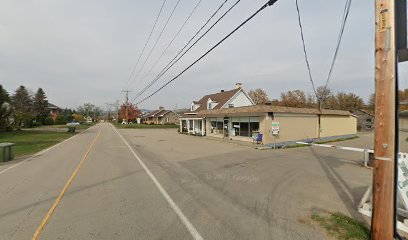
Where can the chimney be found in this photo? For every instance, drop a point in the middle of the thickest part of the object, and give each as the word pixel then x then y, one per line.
pixel 161 108
pixel 238 85
pixel 222 90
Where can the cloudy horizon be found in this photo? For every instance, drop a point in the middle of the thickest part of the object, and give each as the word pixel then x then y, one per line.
pixel 83 51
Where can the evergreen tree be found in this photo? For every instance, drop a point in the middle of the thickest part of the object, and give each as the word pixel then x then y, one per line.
pixel 40 105
pixel 23 107
pixel 5 108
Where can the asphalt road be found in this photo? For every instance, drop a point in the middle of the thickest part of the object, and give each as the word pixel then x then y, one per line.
pixel 157 184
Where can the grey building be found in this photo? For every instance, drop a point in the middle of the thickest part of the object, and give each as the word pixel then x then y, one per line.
pixel 365 120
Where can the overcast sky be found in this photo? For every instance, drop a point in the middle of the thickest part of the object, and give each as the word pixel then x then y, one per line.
pixel 83 51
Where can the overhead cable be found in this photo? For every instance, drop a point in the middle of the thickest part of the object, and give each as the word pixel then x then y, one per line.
pixel 181 53
pixel 304 48
pixel 157 40
pixel 147 41
pixel 269 3
pixel 172 40
pixel 343 25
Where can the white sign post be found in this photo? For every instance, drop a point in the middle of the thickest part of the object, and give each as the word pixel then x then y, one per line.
pixel 275 132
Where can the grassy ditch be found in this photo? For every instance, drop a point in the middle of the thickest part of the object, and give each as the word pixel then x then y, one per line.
pixel 30 142
pixel 342 227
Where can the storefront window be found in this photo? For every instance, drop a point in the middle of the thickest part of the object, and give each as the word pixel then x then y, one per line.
pixel 244 129
pixel 254 127
pixel 240 126
pixel 217 125
pixel 220 127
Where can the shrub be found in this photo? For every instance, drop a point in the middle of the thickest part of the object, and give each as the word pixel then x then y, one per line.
pixel 48 121
pixel 60 120
pixel 36 124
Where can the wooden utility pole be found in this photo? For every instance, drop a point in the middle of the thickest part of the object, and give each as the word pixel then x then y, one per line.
pixel 117 111
pixel 383 220
pixel 126 104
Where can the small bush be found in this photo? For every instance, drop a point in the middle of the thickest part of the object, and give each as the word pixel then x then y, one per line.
pixel 48 121
pixel 60 120
pixel 36 124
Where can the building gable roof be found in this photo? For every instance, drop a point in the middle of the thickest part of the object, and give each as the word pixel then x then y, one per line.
pixel 52 106
pixel 159 113
pixel 368 112
pixel 220 98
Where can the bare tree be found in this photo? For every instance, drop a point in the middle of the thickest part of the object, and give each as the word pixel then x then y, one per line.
pixel 295 98
pixel 371 102
pixel 349 101
pixel 259 96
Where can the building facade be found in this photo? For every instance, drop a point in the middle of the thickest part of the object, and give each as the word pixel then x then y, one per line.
pixel 365 120
pixel 193 123
pixel 278 125
pixel 54 110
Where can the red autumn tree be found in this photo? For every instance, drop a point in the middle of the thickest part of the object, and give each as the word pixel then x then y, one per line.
pixel 133 112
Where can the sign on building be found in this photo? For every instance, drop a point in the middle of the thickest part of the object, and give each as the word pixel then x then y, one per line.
pixel 275 128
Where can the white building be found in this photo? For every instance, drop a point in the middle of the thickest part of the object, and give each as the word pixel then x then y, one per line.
pixel 192 123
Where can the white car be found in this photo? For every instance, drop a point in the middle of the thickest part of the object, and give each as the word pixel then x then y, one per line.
pixel 73 124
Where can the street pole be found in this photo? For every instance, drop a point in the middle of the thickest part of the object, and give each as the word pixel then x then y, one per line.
pixel 108 106
pixel 126 104
pixel 117 111
pixel 383 220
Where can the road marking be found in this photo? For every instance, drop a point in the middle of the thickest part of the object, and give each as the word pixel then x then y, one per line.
pixel 57 201
pixel 41 152
pixel 193 231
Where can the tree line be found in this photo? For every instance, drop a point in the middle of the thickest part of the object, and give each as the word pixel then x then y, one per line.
pixel 23 109
pixel 328 99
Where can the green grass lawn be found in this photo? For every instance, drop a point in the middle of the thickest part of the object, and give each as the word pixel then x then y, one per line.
pixel 343 227
pixel 30 142
pixel 145 126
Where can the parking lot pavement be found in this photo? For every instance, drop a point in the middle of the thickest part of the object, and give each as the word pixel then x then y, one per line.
pixel 230 191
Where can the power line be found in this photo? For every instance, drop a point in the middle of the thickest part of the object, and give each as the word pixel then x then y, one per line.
pixel 178 56
pixel 304 47
pixel 157 40
pixel 174 38
pixel 147 41
pixel 176 59
pixel 346 12
pixel 343 25
pixel 269 3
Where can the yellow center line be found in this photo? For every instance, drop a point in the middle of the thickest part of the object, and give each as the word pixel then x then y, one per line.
pixel 57 201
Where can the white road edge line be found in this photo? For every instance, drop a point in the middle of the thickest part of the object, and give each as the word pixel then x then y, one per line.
pixel 193 231
pixel 40 152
